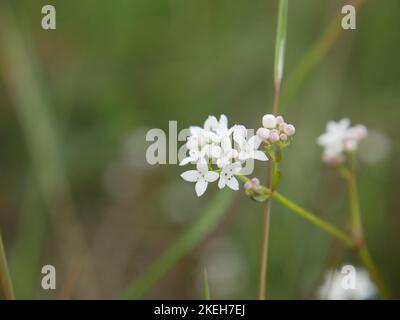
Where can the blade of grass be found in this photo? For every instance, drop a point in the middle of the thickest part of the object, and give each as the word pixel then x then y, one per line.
pixel 206 286
pixel 29 243
pixel 280 42
pixel 314 55
pixel 19 70
pixel 6 288
pixel 206 222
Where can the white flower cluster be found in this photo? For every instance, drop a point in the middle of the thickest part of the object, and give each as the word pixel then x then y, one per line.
pixel 339 139
pixel 333 287
pixel 219 152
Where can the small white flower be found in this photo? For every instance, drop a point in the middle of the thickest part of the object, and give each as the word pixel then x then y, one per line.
pixel 228 153
pixel 333 289
pixel 239 134
pixel 249 150
pixel 194 157
pixel 269 121
pixel 227 176
pixel 218 128
pixel 202 176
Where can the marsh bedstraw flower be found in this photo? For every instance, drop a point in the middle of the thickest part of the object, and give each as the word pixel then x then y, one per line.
pixel 219 152
pixel 339 140
pixel 201 176
pixel 334 287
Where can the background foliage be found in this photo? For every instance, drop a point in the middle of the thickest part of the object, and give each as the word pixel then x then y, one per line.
pixel 75 105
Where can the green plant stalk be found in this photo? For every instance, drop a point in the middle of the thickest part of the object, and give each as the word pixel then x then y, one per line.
pixel 358 232
pixel 373 270
pixel 5 279
pixel 280 44
pixel 207 295
pixel 327 227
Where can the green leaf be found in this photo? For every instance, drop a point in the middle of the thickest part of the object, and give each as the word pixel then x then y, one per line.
pixel 182 245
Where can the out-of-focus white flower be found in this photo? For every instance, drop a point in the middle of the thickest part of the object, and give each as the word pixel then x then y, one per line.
pixel 376 147
pixel 201 176
pixel 225 283
pixel 333 287
pixel 227 176
pixel 221 150
pixel 338 139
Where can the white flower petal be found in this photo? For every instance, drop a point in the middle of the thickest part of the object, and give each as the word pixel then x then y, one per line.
pixel 201 187
pixel 254 142
pixel 211 123
pixel 259 155
pixel 202 167
pixel 191 175
pixel 186 161
pixel 269 121
pixel 243 156
pixel 211 176
pixel 223 120
pixel 232 183
pixel 221 182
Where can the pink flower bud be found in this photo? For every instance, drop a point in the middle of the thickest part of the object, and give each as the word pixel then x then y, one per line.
pixel 283 137
pixel 263 133
pixel 282 126
pixel 255 182
pixel 279 120
pixel 248 186
pixel 290 130
pixel 273 136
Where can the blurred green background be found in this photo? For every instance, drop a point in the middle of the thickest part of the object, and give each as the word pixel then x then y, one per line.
pixel 76 103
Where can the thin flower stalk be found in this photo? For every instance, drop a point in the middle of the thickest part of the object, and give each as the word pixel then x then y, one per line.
pixel 360 245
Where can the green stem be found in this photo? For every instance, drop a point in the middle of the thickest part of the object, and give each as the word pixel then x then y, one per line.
pixel 358 232
pixel 347 240
pixel 373 270
pixel 332 230
pixel 5 279
pixel 349 177
pixel 207 295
